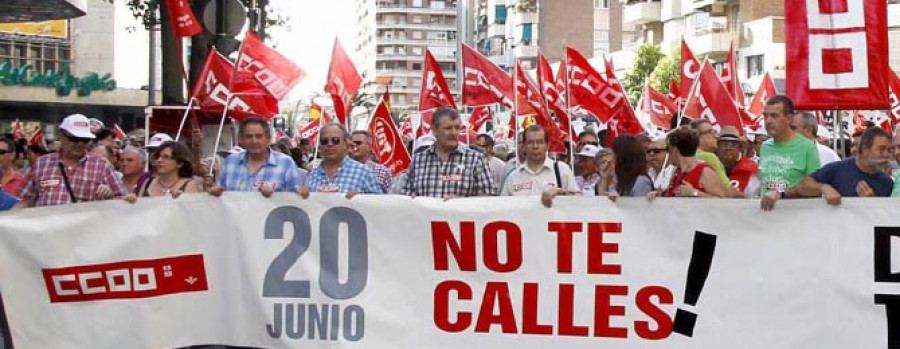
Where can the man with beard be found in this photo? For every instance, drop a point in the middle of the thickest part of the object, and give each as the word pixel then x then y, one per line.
pixel 861 176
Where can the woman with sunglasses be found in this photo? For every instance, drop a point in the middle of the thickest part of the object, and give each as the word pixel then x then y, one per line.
pixel 174 172
pixel 694 178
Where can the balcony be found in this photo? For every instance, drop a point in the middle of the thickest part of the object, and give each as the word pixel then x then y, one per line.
pixel 642 12
pixel 426 26
pixel 409 41
pixel 496 30
pixel 523 51
pixel 710 42
pixel 410 57
pixel 403 8
pixel 398 72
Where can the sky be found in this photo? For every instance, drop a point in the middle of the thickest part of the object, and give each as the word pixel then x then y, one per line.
pixel 307 40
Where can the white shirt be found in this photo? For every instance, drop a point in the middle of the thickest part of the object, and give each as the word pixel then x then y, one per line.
pixel 524 182
pixel 826 155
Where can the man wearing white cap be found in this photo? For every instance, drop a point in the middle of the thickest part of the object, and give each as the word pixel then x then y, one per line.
pixel 71 175
pixel 586 175
pixel 157 139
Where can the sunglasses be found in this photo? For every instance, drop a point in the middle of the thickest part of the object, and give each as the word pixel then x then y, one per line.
pixel 657 151
pixel 5 151
pixel 333 140
pixel 74 139
pixel 591 143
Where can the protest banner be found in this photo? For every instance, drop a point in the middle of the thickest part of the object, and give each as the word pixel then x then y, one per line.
pixel 400 272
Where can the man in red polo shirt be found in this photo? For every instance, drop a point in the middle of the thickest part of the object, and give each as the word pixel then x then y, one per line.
pixel 743 173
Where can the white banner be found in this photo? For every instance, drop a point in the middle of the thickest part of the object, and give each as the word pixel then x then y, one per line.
pixel 397 272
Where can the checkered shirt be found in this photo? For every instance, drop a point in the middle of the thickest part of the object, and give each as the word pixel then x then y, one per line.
pixel 352 176
pixel 464 173
pixel 44 182
pixel 383 175
pixel 279 170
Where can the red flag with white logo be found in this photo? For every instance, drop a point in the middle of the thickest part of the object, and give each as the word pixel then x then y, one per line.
pixel 674 94
pixel 424 123
pixel 730 77
pixel 625 120
pixel 766 90
pixel 483 81
pixel 530 102
pixel 480 115
pixel 184 23
pixel 118 132
pixel 709 99
pixel 406 128
pixel 550 93
pixel 561 81
pixel 895 97
pixel 310 131
pixel 837 54
pixel 387 144
pixel 589 90
pixel 273 71
pixel 343 81
pixel 212 92
pixel 435 92
pixel 657 110
pixel 690 67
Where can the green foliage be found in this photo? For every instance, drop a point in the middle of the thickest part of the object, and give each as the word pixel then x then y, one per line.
pixel 147 11
pixel 648 56
pixel 667 69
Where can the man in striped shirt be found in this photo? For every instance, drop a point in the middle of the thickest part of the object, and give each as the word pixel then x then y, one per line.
pixel 448 169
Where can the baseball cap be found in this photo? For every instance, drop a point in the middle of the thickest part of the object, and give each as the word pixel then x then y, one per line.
pixel 589 150
pixel 157 140
pixel 424 141
pixel 77 125
pixel 729 133
pixel 823 132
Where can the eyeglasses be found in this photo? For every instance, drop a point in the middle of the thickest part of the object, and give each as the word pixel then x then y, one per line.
pixel 333 140
pixel 657 151
pixel 74 139
pixel 5 151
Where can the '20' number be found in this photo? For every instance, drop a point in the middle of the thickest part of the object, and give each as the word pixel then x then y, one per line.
pixel 275 284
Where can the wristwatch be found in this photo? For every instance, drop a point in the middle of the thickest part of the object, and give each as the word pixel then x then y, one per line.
pixel 695 193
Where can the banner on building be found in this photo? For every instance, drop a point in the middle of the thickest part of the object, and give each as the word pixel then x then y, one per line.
pixel 400 272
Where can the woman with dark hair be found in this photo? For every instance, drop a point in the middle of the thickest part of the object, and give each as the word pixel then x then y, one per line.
pixel 174 172
pixel 695 178
pixel 628 177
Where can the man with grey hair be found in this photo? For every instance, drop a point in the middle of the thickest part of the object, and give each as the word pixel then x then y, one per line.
pixel 806 124
pixel 338 173
pixel 132 162
pixel 361 151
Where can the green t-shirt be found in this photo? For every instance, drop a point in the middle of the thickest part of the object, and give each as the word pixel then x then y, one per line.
pixel 896 192
pixel 716 164
pixel 783 165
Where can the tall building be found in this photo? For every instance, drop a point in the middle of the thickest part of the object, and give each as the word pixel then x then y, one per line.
pixel 404 29
pixel 363 52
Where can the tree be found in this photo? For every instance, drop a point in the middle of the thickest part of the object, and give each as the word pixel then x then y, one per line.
pixel 666 70
pixel 648 57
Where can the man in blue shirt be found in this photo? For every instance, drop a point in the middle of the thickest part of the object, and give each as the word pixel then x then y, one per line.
pixel 258 168
pixel 862 176
pixel 338 173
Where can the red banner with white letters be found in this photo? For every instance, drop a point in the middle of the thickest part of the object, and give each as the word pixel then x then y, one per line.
pixel 710 100
pixel 657 110
pixel 435 92
pixel 895 98
pixel 212 91
pixel 343 81
pixel 690 67
pixel 274 71
pixel 184 23
pixel 387 144
pixel 589 90
pixel 837 54
pixel 483 81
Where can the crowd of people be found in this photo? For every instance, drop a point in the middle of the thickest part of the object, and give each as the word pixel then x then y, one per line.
pixel 695 159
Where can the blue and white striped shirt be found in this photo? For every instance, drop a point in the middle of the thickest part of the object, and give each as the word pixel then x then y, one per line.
pixel 351 177
pixel 279 171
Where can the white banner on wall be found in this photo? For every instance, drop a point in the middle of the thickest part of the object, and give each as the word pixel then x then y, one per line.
pixel 396 272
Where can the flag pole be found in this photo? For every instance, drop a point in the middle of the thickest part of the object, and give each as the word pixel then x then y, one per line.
pixel 569 115
pixel 690 93
pixel 184 118
pixel 515 114
pixel 219 134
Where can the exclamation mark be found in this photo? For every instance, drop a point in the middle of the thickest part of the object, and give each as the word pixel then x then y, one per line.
pixel 698 270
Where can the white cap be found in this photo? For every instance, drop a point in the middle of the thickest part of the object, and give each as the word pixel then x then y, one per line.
pixel 157 140
pixel 424 141
pixel 823 132
pixel 77 125
pixel 589 150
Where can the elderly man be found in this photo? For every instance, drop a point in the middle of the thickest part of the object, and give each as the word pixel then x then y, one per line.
pixel 361 151
pixel 807 125
pixel 540 175
pixel 486 142
pixel 785 158
pixel 71 175
pixel 742 172
pixel 656 156
pixel 448 169
pixel 132 163
pixel 258 168
pixel 338 173
pixel 586 175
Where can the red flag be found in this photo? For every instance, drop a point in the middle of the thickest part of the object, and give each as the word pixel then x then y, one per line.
pixel 837 54
pixel 406 128
pixel 690 67
pixel 386 141
pixel 37 138
pixel 119 134
pixel 562 81
pixel 766 90
pixel 730 77
pixel 310 131
pixel 530 102
pixel 480 115
pixel 611 74
pixel 275 72
pixel 183 21
pixel 343 81
pixel 657 109
pixel 624 121
pixel 484 82
pixel 435 92
pixel 674 93
pixel 895 97
pixel 212 90
pixel 424 123
pixel 18 131
pixel 551 95
pixel 588 89
pixel 709 99
pixel 279 134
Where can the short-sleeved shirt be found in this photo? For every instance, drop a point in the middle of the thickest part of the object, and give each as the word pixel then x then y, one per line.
pixel 716 164
pixel 783 165
pixel 464 173
pixel 642 186
pixel 523 181
pixel 279 171
pixel 845 175
pixel 587 184
pixel 46 185
pixel 14 186
pixel 383 175
pixel 352 176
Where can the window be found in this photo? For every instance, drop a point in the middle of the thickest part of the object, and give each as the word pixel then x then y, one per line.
pixel 500 14
pixel 417 35
pixel 437 4
pixel 417 51
pixel 526 33
pixel 417 19
pixel 416 3
pixel 417 66
pixel 601 4
pixel 755 65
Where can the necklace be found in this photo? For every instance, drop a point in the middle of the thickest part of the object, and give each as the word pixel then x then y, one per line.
pixel 167 189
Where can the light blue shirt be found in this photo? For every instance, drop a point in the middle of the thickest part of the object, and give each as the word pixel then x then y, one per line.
pixel 351 177
pixel 279 171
